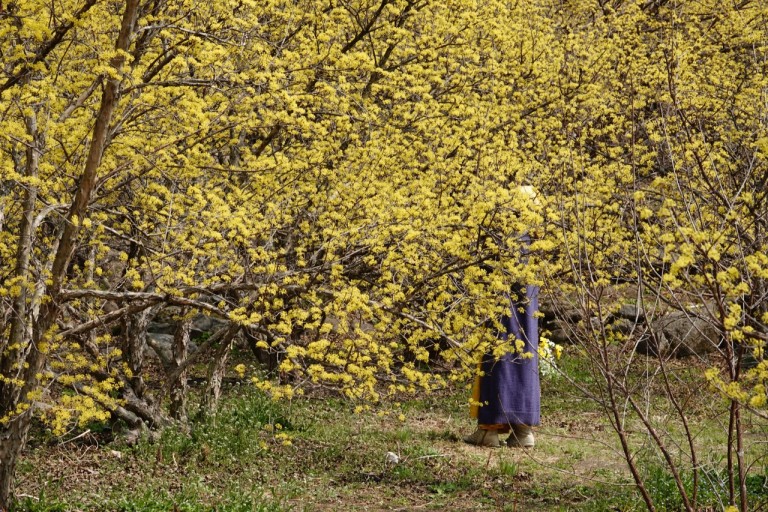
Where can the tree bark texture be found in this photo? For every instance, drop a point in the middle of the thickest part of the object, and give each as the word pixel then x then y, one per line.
pixel 134 341
pixel 216 371
pixel 12 351
pixel 178 390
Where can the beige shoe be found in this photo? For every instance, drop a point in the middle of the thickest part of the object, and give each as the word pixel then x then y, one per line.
pixel 521 437
pixel 481 437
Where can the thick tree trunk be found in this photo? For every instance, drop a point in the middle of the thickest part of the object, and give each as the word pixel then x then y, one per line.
pixel 134 341
pixel 222 335
pixel 12 351
pixel 12 439
pixel 96 150
pixel 179 383
pixel 13 436
pixel 216 374
pixel 18 350
pixel 147 412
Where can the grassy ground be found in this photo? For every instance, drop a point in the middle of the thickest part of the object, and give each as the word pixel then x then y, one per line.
pixel 316 454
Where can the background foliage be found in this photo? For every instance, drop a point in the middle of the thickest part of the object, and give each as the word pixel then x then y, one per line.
pixel 338 184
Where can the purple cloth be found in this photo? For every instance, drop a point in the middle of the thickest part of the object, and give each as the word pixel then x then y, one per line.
pixel 509 387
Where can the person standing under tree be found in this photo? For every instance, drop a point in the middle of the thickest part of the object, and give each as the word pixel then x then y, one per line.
pixel 506 396
pixel 508 388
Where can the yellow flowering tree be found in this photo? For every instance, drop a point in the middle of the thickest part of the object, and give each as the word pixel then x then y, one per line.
pixel 659 191
pixel 338 182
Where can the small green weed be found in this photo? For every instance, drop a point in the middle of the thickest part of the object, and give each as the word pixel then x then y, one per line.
pixel 712 487
pixel 39 504
pixel 189 501
pixel 508 468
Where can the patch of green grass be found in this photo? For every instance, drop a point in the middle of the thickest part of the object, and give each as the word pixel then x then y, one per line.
pixel 42 503
pixel 712 487
pixel 402 435
pixel 599 498
pixel 230 435
pixel 444 488
pixel 443 435
pixel 757 484
pixel 191 497
pixel 453 403
pixel 508 468
pixel 153 501
pixel 337 460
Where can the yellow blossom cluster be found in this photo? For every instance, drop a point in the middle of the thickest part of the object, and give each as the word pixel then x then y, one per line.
pixel 351 182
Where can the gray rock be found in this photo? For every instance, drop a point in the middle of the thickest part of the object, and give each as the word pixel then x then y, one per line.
pixel 622 325
pixel 552 310
pixel 200 325
pixel 651 345
pixel 161 328
pixel 548 311
pixel 684 334
pixel 560 336
pixel 631 312
pixel 205 324
pixel 572 315
pixel 159 345
pixel 162 347
pixel 338 326
pixel 563 332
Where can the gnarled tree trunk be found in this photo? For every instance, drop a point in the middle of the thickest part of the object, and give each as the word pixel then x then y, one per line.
pixel 134 342
pixel 178 390
pixel 216 371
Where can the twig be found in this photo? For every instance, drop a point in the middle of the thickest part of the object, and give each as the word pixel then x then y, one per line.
pixel 76 437
pixel 28 496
